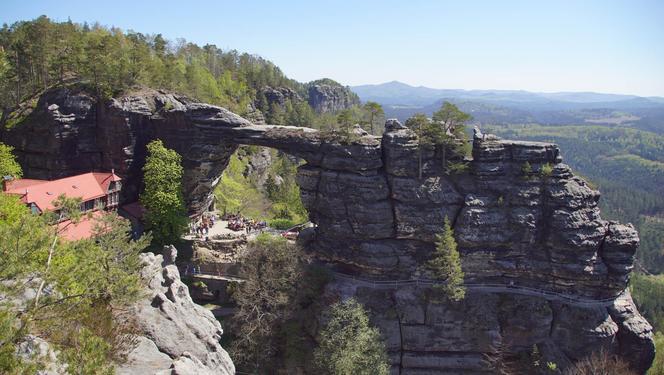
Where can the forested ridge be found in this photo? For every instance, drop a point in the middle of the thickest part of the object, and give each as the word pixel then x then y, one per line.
pixel 37 54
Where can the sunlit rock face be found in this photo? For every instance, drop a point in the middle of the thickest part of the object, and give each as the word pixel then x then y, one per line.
pixel 174 335
pixel 520 216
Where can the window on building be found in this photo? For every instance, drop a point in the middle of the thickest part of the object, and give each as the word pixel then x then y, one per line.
pixel 113 199
pixel 114 186
pixel 88 205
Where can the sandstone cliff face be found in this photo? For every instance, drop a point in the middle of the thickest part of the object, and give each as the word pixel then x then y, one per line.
pixel 177 336
pixel 280 95
pixel 522 228
pixel 325 98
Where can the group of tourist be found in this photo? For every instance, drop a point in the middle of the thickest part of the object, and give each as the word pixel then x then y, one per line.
pixel 237 222
pixel 202 227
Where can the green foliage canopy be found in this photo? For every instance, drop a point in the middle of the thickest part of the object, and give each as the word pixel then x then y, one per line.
pixel 446 264
pixel 348 345
pixel 92 283
pixel 162 198
pixel 8 165
pixel 272 267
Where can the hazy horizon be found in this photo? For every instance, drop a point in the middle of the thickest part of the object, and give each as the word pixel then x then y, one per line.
pixel 567 46
pixel 493 89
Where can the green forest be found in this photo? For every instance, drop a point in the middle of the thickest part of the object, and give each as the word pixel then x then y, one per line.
pixel 38 54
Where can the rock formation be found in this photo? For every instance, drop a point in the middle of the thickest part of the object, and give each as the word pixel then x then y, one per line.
pixel 521 218
pixel 328 96
pixel 177 336
pixel 280 95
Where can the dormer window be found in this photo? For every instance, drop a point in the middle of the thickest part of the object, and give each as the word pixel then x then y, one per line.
pixel 114 186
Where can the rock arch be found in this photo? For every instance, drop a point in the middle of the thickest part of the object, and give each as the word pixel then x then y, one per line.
pixel 375 217
pixel 365 194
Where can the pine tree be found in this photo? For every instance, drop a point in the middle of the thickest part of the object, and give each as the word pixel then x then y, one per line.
pixel 345 121
pixel 446 264
pixel 450 130
pixel 420 124
pixel 349 345
pixel 375 110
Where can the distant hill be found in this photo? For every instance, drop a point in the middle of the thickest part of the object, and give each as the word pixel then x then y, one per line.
pixel 517 107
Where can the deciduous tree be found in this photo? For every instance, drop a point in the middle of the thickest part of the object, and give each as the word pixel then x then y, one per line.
pixel 271 268
pixel 162 196
pixel 8 165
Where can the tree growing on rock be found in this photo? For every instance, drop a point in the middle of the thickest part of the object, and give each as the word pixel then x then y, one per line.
pixel 451 132
pixel 348 345
pixel 446 264
pixel 421 125
pixel 345 121
pixel 162 198
pixel 375 111
pixel 451 119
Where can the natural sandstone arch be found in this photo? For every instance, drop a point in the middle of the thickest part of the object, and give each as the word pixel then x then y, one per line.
pixel 377 219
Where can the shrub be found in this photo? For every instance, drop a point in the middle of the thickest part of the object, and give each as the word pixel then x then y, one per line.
pixel 546 170
pixel 281 224
pixel 658 365
pixel 600 363
pixel 526 169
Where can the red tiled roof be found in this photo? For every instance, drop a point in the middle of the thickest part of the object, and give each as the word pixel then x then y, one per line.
pixel 22 183
pixel 81 230
pixel 42 193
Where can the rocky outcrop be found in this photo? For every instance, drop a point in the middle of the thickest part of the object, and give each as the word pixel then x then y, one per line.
pixel 258 165
pixel 521 219
pixel 326 96
pixel 280 95
pixel 38 351
pixel 177 336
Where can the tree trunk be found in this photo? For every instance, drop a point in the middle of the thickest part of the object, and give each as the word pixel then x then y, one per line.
pixel 372 121
pixel 51 250
pixel 419 148
pixel 18 80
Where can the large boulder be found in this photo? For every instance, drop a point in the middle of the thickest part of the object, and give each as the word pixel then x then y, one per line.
pixel 176 335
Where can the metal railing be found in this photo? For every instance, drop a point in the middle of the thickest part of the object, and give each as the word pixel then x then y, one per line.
pixel 481 287
pixel 216 270
pixel 222 271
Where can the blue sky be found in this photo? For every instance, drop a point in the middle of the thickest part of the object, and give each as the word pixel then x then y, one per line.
pixel 592 45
